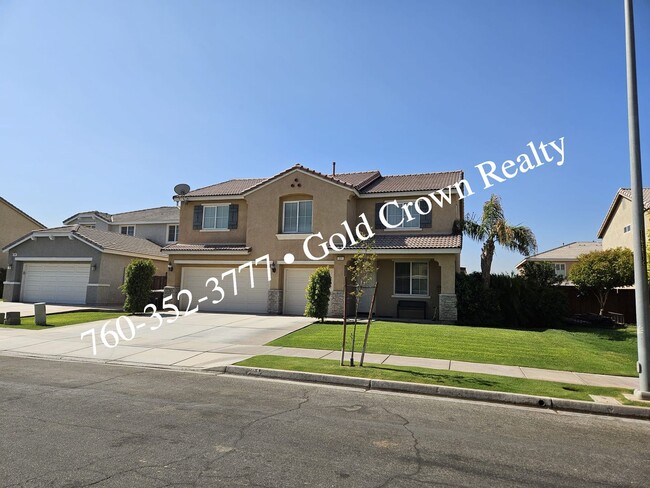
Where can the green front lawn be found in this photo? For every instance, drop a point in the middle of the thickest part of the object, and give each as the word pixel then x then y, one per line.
pixel 438 377
pixel 605 351
pixel 61 319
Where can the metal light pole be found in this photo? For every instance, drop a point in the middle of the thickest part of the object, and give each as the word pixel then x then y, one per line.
pixel 638 227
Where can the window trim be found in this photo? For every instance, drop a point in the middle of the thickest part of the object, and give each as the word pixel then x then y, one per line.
pixel 127 230
pixel 178 228
pixel 213 229
pixel 284 210
pixel 410 294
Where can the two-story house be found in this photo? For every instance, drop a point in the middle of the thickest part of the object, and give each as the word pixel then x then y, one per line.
pixel 159 225
pixel 226 225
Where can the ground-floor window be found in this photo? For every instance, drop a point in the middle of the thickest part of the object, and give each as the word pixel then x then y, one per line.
pixel 411 278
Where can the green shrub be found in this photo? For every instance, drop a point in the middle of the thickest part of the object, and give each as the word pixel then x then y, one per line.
pixel 137 284
pixel 318 293
pixel 511 301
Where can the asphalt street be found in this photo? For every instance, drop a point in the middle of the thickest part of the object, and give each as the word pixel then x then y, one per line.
pixel 81 424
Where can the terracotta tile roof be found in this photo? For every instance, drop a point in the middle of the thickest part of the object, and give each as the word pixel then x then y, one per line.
pixel 153 215
pixel 104 240
pixel 416 241
pixel 206 247
pixel 414 182
pixel 627 193
pixel 230 187
pixel 362 181
pixel 118 242
pixel 358 179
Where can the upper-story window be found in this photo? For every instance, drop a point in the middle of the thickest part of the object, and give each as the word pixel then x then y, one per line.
pixel 215 217
pixel 218 217
pixel 127 230
pixel 627 229
pixel 297 217
pixel 172 233
pixel 397 216
pixel 560 269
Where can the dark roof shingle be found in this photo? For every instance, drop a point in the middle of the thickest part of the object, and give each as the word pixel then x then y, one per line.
pixel 206 247
pixel 366 182
pixel 416 241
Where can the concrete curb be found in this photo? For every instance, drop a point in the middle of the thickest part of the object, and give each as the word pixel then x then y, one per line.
pixel 560 404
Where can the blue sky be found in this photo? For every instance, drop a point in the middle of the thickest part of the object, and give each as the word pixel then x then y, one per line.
pixel 107 105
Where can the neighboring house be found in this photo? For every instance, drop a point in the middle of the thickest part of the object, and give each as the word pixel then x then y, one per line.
pixel 13 224
pixel 159 225
pixel 228 224
pixel 563 257
pixel 616 229
pixel 74 264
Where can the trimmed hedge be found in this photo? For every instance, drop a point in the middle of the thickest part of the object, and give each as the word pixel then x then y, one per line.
pixel 511 301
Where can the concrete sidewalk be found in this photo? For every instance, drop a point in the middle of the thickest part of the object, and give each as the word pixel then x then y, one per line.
pixel 206 341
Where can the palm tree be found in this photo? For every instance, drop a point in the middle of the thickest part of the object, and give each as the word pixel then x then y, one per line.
pixel 493 229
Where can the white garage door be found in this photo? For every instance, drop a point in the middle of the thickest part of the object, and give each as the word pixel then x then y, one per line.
pixel 295 285
pixel 55 282
pixel 247 300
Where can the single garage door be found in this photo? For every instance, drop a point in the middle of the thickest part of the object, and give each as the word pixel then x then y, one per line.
pixel 55 282
pixel 295 285
pixel 247 300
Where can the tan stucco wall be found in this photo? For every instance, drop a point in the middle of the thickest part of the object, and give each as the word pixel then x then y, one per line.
pixel 386 301
pixel 187 234
pixel 442 219
pixel 614 236
pixel 111 272
pixel 13 225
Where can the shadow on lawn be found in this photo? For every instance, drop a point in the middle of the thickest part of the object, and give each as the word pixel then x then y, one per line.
pixel 448 380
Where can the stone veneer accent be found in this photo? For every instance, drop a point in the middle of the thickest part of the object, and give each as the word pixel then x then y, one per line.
pixel 173 291
pixel 336 304
pixel 274 301
pixel 448 308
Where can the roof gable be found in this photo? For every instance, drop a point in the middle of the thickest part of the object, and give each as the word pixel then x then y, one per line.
pixel 627 194
pixel 99 239
pixel 361 182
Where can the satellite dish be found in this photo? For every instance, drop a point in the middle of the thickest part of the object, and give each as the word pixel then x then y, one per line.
pixel 182 189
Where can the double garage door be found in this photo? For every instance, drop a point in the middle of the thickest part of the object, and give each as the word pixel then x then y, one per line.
pixel 248 299
pixel 55 282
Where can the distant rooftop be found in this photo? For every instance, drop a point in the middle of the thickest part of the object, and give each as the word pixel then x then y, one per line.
pixel 566 252
pixel 148 215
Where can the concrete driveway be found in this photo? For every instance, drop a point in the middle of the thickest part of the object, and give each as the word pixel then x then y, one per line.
pixel 197 341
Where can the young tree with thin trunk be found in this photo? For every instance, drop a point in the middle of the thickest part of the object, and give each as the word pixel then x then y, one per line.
pixel 492 229
pixel 361 271
pixel 599 272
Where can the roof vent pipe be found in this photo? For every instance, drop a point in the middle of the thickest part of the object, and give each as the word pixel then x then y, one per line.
pixel 333 168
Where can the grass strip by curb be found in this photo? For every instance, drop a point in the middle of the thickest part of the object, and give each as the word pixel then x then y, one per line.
pixel 63 319
pixel 445 391
pixel 428 376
